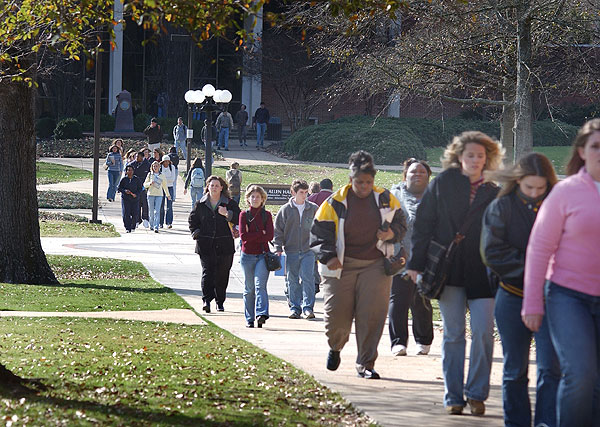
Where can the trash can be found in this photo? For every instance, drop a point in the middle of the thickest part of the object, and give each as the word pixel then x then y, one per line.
pixel 274 129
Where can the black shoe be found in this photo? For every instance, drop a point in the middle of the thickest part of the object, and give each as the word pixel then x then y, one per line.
pixel 250 325
pixel 206 307
pixel 220 307
pixel 368 374
pixel 261 320
pixel 333 360
pixel 317 288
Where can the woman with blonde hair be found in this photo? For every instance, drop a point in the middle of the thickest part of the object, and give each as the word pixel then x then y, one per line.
pixel 562 280
pixel 256 231
pixel 507 224
pixel 453 201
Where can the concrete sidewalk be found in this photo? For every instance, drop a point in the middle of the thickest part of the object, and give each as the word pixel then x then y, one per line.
pixel 411 389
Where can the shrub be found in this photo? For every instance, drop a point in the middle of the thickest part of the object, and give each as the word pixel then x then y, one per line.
pixel 141 121
pixel 87 122
pixel 107 123
pixel 68 128
pixel 44 127
pixel 64 200
pixel 83 147
pixel 548 133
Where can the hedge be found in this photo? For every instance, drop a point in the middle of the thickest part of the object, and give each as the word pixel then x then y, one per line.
pixel 50 199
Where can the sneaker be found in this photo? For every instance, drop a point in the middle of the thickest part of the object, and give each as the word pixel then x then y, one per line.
pixel 333 360
pixel 308 314
pixel 423 349
pixel 129 231
pixel 477 407
pixel 170 226
pixel 261 320
pixel 368 374
pixel 399 350
pixel 146 223
pixel 294 315
pixel 156 230
pixel 220 307
pixel 454 410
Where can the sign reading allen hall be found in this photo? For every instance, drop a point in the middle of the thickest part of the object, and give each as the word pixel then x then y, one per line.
pixel 277 194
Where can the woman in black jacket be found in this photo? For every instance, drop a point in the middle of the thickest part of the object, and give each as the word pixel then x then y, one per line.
pixel 507 223
pixel 210 226
pixel 456 193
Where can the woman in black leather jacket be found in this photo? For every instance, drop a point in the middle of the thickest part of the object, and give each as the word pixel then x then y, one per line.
pixel 209 224
pixel 507 223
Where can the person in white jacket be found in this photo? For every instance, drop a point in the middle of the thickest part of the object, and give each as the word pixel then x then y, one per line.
pixel 170 174
pixel 156 184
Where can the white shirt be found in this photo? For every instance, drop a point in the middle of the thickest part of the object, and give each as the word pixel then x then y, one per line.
pixel 169 174
pixel 299 207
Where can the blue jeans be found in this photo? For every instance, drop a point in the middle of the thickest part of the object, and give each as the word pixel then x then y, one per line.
pixel 453 306
pixel 516 339
pixel 182 145
pixel 261 128
pixel 169 213
pixel 154 203
pixel 255 290
pixel 574 322
pixel 113 183
pixel 196 194
pixel 300 280
pixel 224 138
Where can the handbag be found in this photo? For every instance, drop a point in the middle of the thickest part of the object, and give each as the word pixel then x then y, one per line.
pixel 272 260
pixel 439 260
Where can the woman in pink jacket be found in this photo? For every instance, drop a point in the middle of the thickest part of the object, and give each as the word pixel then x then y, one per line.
pixel 562 264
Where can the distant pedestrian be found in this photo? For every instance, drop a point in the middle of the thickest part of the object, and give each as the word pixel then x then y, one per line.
pixel 175 162
pixel 147 154
pixel 141 168
pixel 256 231
pixel 130 156
pixel 156 185
pixel 154 133
pixel 326 190
pixel 234 180
pixel 119 143
pixel 168 170
pixel 179 136
pixel 130 188
pixel 313 188
pixel 157 155
pixel 261 118
pixel 224 124
pixel 241 121
pixel 213 133
pixel 195 181
pixel 114 165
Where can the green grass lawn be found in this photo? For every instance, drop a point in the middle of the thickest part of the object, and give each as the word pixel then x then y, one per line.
pixel 92 284
pixel 57 224
pixel 52 173
pixel 557 155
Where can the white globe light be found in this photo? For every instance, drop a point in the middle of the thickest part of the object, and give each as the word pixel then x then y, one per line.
pixel 189 97
pixel 217 95
pixel 208 90
pixel 226 96
pixel 198 97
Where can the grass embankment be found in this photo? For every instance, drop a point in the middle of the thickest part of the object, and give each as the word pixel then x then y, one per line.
pixel 52 173
pixel 112 372
pixel 57 224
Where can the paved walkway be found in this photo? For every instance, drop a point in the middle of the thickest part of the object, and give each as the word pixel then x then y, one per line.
pixel 411 390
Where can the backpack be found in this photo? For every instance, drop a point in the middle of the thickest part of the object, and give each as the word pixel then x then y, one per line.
pixel 197 178
pixel 235 182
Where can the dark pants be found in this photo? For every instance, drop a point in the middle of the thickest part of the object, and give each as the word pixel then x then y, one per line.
pixel 143 207
pixel 215 277
pixel 242 133
pixel 403 297
pixel 129 209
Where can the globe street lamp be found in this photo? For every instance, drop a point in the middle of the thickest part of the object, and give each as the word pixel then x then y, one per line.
pixel 207 100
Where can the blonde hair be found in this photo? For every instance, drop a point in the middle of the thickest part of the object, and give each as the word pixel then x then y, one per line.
pixel 256 189
pixel 494 152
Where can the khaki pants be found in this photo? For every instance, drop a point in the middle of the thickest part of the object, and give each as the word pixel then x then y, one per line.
pixel 363 294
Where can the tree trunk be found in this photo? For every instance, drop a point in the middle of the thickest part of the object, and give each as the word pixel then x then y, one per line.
pixel 507 135
pixel 22 259
pixel 523 96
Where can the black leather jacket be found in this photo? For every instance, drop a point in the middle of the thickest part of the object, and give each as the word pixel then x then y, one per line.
pixel 211 229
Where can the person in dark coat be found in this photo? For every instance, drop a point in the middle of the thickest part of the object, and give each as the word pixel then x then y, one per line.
pixel 211 222
pixel 130 188
pixel 141 168
pixel 459 190
pixel 507 224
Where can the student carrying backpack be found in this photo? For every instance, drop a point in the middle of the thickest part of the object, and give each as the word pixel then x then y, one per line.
pixel 195 180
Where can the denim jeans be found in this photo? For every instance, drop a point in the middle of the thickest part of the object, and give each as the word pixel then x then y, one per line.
pixel 574 323
pixel 169 213
pixel 224 138
pixel 261 129
pixel 516 339
pixel 300 280
pixel 182 145
pixel 154 203
pixel 196 194
pixel 256 275
pixel 113 183
pixel 453 306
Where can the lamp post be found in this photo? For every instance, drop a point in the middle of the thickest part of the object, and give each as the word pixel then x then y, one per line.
pixel 207 100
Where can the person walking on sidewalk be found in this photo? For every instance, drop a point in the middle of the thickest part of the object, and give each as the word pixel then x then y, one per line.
pixel 256 231
pixel 154 133
pixel 114 166
pixel 507 223
pixel 326 190
pixel 292 235
pixel 241 121
pixel 130 188
pixel 261 118
pixel 195 181
pixel 562 279
pixel 353 230
pixel 416 174
pixel 141 168
pixel 167 169
pixel 180 137
pixel 175 162
pixel 156 185
pixel 224 124
pixel 456 195
pixel 234 180
pixel 210 223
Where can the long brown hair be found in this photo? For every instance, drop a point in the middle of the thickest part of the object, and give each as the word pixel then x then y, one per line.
pixel 224 191
pixel 494 152
pixel 533 164
pixel 576 162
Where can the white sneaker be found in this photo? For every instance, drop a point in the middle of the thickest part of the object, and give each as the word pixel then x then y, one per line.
pixel 146 223
pixel 423 349
pixel 399 350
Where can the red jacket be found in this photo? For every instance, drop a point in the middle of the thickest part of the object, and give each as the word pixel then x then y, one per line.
pixel 254 241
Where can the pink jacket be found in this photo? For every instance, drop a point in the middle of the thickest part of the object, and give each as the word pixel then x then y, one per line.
pixel 564 246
